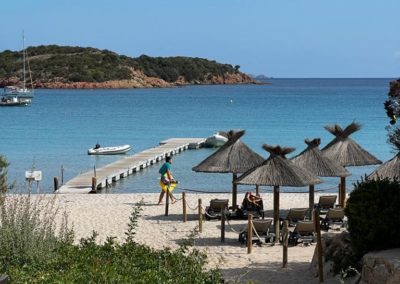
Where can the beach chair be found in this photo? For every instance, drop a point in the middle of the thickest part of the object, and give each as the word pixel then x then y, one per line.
pixel 334 216
pixel 304 232
pixel 294 215
pixel 217 206
pixel 261 230
pixel 325 202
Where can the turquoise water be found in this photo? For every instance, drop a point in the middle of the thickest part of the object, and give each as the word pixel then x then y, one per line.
pixel 61 125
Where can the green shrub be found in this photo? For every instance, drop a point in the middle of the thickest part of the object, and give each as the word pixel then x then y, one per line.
pixel 374 216
pixel 27 230
pixel 57 260
pixel 3 175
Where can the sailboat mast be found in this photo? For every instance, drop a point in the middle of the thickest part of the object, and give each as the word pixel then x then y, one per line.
pixel 23 55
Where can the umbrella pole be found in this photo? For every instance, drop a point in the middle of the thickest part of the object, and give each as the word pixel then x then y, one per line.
pixel 311 200
pixel 257 190
pixel 234 191
pixel 276 212
pixel 342 194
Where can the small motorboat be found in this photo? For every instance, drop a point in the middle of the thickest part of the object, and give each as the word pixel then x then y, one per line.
pixel 14 101
pixel 114 150
pixel 216 140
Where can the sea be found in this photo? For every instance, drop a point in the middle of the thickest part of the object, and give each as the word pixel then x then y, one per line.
pixel 55 132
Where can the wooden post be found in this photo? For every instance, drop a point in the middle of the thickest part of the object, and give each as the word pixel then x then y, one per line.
pixel 222 225
pixel 257 190
pixel 94 185
pixel 342 191
pixel 234 192
pixel 184 206
pixel 276 212
pixel 55 183
pixel 311 200
pixel 62 175
pixel 339 192
pixel 319 246
pixel 200 217
pixel 167 201
pixel 285 240
pixel 249 233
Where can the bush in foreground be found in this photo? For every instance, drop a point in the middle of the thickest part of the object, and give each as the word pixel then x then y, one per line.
pixel 374 216
pixel 39 255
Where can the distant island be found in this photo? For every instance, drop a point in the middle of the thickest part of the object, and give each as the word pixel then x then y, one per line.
pixel 260 77
pixel 54 67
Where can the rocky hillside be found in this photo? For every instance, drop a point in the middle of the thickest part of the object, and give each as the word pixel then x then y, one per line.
pixel 55 66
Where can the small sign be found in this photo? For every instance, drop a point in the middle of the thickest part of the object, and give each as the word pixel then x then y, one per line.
pixel 33 175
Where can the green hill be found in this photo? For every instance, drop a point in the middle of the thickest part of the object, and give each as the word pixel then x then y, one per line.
pixel 67 65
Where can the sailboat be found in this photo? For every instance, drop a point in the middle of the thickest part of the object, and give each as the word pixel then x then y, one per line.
pixel 20 93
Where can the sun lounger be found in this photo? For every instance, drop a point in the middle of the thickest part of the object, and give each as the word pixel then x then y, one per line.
pixel 304 232
pixel 334 216
pixel 217 206
pixel 295 215
pixel 261 230
pixel 325 202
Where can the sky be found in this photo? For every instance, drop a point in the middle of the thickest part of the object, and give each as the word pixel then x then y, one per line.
pixel 280 39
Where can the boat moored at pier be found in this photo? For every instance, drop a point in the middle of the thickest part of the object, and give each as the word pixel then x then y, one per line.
pixel 112 150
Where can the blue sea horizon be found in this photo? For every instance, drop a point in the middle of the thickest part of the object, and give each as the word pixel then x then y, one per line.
pixel 60 125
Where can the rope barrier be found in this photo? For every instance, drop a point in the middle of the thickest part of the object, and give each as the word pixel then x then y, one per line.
pixel 208 214
pixel 231 228
pixel 187 204
pixel 254 230
pixel 201 191
pixel 263 191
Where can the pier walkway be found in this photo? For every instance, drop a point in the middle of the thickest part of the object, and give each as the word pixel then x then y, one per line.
pixel 122 168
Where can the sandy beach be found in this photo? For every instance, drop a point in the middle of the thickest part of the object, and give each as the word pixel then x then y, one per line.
pixel 108 214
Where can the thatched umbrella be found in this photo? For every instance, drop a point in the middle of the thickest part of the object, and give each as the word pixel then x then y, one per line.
pixel 233 157
pixel 312 160
pixel 277 171
pixel 347 152
pixel 389 169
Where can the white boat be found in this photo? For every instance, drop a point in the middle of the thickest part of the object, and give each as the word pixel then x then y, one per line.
pixel 113 150
pixel 21 92
pixel 216 140
pixel 14 101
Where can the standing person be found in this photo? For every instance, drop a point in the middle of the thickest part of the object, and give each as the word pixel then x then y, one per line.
pixel 167 181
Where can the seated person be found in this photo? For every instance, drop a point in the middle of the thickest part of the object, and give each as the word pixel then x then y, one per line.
pixel 252 202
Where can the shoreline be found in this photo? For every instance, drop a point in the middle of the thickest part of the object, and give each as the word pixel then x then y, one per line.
pixel 108 214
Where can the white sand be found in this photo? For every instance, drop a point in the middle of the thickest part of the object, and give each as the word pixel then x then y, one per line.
pixel 108 214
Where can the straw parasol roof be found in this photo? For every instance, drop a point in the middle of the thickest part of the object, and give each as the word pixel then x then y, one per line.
pixel 313 160
pixel 389 169
pixel 346 151
pixel 278 171
pixel 233 157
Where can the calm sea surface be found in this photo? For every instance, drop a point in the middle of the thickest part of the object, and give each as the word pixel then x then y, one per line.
pixel 61 125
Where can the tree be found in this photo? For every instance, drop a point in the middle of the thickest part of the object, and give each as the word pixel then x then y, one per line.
pixel 392 107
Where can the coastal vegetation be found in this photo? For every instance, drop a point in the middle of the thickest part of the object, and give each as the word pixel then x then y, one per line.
pixel 392 107
pixel 373 216
pixel 4 186
pixel 67 64
pixel 33 249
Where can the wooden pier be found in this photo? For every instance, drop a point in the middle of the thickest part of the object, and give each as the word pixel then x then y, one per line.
pixel 113 172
